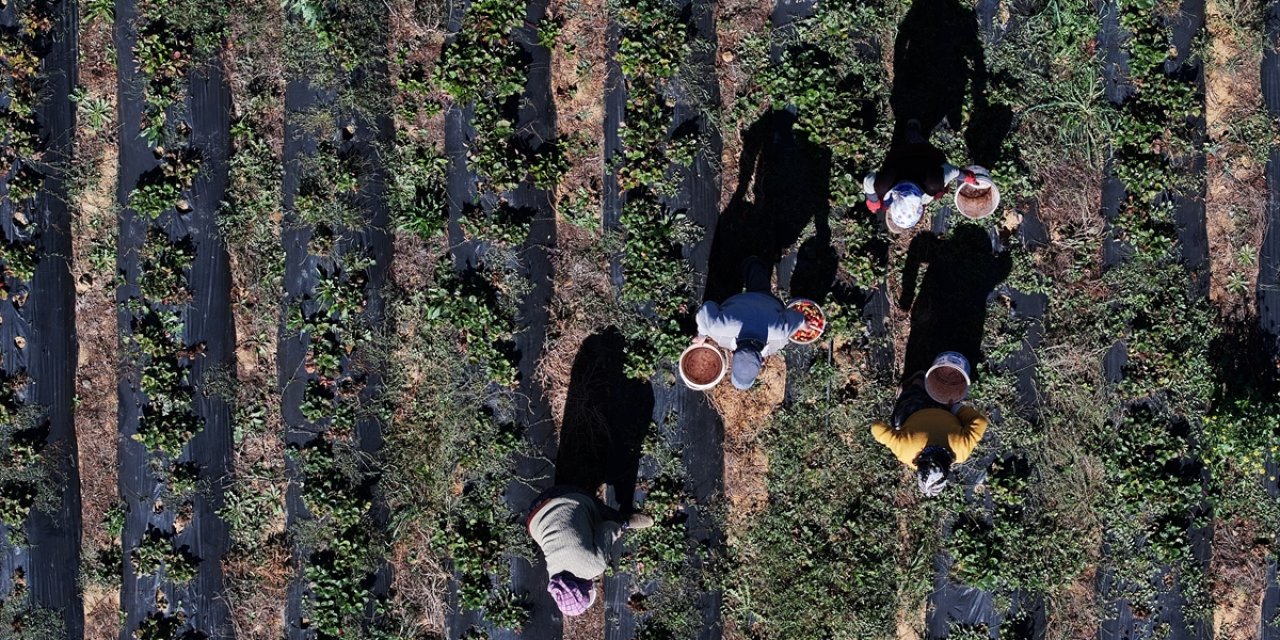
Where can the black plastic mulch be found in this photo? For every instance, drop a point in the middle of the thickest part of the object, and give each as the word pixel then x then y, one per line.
pixel 699 428
pixel 952 603
pixel 619 619
pixel 302 274
pixel 1164 616
pixel 50 565
pixel 955 604
pixel 1268 289
pixel 1269 256
pixel 535 125
pixel 460 187
pixel 207 322
pixel 1115 75
pixel 685 418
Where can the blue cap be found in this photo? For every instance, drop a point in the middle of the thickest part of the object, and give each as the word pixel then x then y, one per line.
pixel 746 364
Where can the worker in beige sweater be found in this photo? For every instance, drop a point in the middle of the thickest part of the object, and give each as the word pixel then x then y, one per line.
pixel 929 436
pixel 575 532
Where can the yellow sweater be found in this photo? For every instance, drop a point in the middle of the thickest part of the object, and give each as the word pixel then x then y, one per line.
pixel 933 427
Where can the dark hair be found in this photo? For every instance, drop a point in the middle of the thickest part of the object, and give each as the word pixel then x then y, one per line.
pixel 933 468
pixel 935 457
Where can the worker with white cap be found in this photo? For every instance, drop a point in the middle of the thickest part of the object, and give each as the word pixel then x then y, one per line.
pixel 914 174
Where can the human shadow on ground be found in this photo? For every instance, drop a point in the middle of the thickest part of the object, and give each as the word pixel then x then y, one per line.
pixel 606 418
pixel 950 309
pixel 938 60
pixel 784 181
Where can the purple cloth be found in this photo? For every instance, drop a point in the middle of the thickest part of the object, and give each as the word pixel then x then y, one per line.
pixel 572 594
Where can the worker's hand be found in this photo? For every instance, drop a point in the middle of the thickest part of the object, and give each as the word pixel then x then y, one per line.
pixel 700 340
pixel 969 177
pixel 874 205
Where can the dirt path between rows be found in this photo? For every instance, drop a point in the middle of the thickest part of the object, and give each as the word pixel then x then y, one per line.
pixel 1237 191
pixel 96 375
pixel 745 413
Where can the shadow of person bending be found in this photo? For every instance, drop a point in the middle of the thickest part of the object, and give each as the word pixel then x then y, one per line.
pixel 950 309
pixel 606 418
pixel 784 181
pixel 938 60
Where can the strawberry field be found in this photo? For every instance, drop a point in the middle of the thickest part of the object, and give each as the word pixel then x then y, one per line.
pixel 304 304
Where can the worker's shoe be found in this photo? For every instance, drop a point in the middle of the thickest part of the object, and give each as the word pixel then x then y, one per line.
pixel 639 521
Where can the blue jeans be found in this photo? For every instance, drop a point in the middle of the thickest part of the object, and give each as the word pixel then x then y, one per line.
pixel 911 399
pixel 756 276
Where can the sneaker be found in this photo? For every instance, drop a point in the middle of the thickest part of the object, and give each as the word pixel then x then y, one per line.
pixel 639 521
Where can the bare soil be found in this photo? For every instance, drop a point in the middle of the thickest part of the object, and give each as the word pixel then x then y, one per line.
pixel 1237 192
pixel 1070 200
pixel 94 227
pixel 581 305
pixel 911 623
pixel 736 20
pixel 1239 573
pixel 256 589
pixel 590 625
pixel 746 466
pixel 418 31
pixel 1075 611
pixel 421 581
pixel 577 85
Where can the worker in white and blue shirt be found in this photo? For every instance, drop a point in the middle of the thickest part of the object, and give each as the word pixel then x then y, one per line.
pixel 752 324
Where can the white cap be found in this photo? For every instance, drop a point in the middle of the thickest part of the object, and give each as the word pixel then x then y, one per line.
pixel 905 210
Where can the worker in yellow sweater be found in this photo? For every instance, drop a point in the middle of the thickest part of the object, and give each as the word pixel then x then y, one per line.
pixel 929 436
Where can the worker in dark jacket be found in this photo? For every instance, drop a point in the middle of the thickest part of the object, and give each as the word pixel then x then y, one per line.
pixel 914 174
pixel 929 436
pixel 575 532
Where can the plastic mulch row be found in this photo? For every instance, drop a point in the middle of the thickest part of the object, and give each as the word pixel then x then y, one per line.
pixel 1131 619
pixel 534 474
pixel 466 256
pixel 361 137
pixel 1268 290
pixel 45 320
pixel 685 418
pixel 535 124
pixel 199 604
pixel 952 603
pixel 620 622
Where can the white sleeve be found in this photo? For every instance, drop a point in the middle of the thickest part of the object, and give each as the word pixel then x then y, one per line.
pixel 869 184
pixel 949 173
pixel 708 316
pixel 780 333
pixel 713 324
pixel 795 320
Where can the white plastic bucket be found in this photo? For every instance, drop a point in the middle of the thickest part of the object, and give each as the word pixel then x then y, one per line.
pixel 984 202
pixel 697 355
pixel 947 381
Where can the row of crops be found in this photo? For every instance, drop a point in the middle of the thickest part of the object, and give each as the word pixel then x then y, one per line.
pixel 368 310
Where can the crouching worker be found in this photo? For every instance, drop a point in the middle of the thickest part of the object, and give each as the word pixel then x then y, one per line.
pixel 752 324
pixel 929 436
pixel 914 174
pixel 575 532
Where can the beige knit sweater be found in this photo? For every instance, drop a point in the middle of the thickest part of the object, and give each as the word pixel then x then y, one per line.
pixel 573 536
